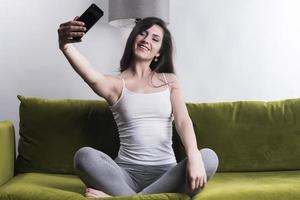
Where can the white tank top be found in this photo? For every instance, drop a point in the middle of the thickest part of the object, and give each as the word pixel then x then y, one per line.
pixel 144 123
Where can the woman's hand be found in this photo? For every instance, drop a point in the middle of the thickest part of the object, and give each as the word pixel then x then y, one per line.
pixel 67 31
pixel 195 172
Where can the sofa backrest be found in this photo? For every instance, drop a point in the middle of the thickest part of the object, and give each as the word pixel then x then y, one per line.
pixel 250 135
pixel 51 131
pixel 247 136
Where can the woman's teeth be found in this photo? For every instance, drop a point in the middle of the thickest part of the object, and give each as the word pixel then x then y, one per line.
pixel 143 47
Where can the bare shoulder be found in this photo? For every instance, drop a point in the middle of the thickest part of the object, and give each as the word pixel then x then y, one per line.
pixel 113 77
pixel 171 76
pixel 172 80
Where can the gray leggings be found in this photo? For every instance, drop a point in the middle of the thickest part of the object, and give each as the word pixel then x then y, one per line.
pixel 99 171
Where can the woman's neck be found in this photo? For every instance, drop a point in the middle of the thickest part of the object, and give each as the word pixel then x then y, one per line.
pixel 141 70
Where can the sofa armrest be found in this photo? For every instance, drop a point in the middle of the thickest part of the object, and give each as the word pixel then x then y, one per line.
pixel 7 151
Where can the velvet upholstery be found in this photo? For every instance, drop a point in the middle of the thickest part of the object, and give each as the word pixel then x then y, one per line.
pixel 42 186
pixel 258 144
pixel 280 185
pixel 250 135
pixel 7 151
pixel 58 128
pixel 272 185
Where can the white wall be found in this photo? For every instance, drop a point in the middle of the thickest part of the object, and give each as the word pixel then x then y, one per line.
pixel 237 50
pixel 226 50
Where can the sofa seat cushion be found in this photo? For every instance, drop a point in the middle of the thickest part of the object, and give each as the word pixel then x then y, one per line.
pixel 277 185
pixel 38 186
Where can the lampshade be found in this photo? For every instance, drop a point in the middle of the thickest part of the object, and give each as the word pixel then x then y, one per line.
pixel 124 13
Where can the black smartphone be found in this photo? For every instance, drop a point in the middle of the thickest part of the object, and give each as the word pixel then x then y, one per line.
pixel 90 17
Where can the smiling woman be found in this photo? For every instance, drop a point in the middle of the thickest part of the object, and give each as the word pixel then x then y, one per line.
pixel 143 112
pixel 144 44
pixel 151 33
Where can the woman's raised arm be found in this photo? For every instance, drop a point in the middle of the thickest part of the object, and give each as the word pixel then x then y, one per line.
pixel 99 82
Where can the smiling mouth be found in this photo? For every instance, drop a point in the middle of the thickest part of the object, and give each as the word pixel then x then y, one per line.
pixel 143 47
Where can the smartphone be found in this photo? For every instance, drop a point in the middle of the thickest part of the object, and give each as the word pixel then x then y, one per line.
pixel 90 17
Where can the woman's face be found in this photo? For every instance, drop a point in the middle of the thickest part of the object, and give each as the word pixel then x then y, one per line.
pixel 147 44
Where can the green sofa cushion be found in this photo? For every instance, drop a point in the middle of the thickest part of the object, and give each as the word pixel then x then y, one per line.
pixel 223 186
pixel 246 135
pixel 51 131
pixel 280 185
pixel 250 135
pixel 37 186
pixel 7 151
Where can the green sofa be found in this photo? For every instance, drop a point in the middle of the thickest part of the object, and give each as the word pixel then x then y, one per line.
pixel 258 144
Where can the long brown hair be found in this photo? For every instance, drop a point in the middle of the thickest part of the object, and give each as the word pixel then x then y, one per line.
pixel 165 60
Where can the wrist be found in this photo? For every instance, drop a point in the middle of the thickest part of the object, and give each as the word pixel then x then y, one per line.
pixel 65 47
pixel 193 153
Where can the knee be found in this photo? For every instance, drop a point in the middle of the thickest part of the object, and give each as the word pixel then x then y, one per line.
pixel 82 157
pixel 211 161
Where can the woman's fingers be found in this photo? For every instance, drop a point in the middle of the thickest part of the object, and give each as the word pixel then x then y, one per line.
pixel 73 28
pixel 205 181
pixel 196 183
pixel 70 33
pixel 76 40
pixel 73 22
pixel 67 33
pixel 69 29
pixel 193 184
pixel 201 182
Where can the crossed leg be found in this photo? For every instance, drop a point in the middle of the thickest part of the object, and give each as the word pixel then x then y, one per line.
pixel 97 170
pixel 174 179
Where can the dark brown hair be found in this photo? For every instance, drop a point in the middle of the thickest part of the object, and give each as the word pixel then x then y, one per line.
pixel 165 60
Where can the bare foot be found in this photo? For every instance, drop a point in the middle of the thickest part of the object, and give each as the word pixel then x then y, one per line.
pixel 90 192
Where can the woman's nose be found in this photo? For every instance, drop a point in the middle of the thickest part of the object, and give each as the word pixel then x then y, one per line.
pixel 146 39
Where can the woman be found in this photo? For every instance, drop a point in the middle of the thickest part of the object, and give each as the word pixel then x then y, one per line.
pixel 144 99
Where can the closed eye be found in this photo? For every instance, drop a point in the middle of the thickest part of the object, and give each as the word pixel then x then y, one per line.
pixel 156 37
pixel 143 33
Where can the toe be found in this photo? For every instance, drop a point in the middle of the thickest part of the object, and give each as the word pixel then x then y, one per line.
pixel 88 194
